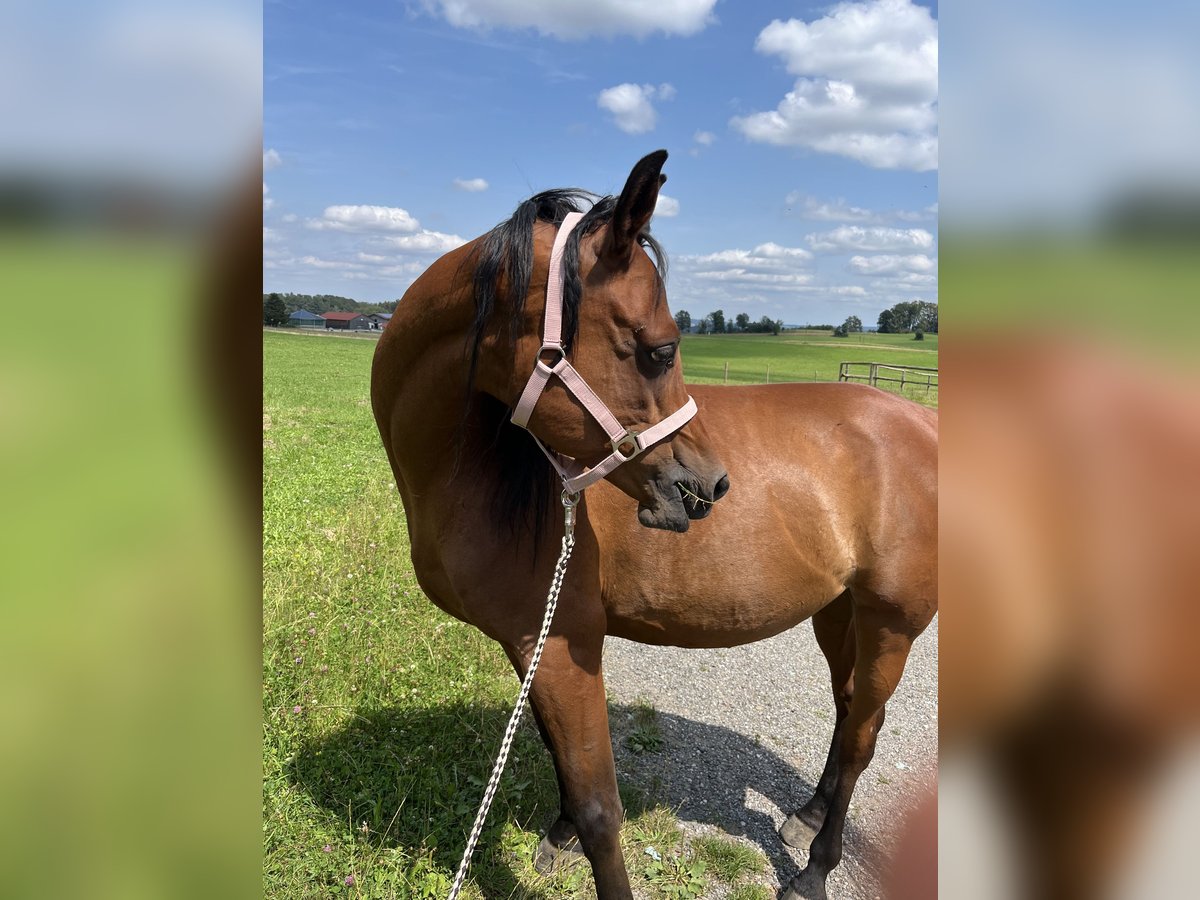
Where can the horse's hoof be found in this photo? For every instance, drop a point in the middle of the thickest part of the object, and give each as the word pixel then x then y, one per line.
pixel 801 888
pixel 551 858
pixel 798 833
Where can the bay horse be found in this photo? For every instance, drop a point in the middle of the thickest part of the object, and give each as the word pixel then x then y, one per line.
pixel 832 513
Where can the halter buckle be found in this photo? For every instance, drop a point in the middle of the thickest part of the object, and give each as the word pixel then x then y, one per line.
pixel 628 440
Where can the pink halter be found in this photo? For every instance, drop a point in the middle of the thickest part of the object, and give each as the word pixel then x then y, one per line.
pixel 626 443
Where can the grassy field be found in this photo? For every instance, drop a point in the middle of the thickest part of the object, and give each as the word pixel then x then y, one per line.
pixel 382 715
pixel 801 356
pixel 791 356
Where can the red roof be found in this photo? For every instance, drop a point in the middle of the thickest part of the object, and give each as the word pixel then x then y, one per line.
pixel 340 316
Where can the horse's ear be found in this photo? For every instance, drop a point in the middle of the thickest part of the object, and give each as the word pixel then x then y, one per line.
pixel 635 206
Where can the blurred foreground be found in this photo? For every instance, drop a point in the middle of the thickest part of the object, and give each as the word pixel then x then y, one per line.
pixel 1070 455
pixel 129 649
pixel 1070 472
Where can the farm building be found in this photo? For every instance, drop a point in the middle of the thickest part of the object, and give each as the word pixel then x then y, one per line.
pixel 348 321
pixel 379 320
pixel 302 318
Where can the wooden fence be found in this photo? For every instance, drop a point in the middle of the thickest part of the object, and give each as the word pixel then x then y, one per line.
pixel 912 380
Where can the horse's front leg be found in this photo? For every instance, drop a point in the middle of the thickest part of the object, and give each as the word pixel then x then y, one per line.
pixel 568 696
pixel 560 845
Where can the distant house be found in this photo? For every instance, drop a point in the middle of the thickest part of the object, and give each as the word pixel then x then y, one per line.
pixel 346 321
pixel 379 320
pixel 302 318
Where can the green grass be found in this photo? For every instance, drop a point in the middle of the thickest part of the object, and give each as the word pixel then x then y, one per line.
pixel 801 356
pixel 729 861
pixel 644 735
pixel 382 715
pixel 751 892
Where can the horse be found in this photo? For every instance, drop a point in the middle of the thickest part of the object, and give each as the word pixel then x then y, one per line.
pixel 774 504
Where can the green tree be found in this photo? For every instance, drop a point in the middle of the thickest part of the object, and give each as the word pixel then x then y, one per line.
pixel 776 327
pixel 274 311
pixel 852 324
pixel 718 321
pixel 743 322
pixel 683 319
pixel 909 315
pixel 703 329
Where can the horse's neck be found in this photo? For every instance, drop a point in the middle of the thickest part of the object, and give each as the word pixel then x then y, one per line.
pixel 430 409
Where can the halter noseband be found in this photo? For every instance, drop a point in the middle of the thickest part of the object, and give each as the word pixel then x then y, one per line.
pixel 626 442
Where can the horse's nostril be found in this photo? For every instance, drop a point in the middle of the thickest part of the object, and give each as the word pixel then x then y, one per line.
pixel 721 488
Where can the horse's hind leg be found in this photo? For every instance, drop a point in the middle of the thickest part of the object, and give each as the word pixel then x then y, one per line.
pixel 834 629
pixel 560 843
pixel 568 695
pixel 884 634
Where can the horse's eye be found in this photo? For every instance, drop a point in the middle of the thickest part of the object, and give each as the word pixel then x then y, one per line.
pixel 664 355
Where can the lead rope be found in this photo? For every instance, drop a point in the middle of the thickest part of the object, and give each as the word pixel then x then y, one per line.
pixel 569 502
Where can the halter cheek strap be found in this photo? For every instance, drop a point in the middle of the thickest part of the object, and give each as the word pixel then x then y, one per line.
pixel 626 442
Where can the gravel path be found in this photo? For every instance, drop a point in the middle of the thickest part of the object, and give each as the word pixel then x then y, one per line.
pixel 746 733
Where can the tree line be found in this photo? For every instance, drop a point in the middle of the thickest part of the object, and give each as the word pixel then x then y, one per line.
pixel 910 316
pixel 715 323
pixel 917 317
pixel 323 303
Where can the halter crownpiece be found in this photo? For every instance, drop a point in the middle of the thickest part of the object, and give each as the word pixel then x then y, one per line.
pixel 626 442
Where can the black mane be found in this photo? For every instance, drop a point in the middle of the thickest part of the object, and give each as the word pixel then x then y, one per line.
pixel 526 482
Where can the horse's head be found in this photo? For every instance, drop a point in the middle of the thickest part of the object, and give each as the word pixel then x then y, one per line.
pixel 621 338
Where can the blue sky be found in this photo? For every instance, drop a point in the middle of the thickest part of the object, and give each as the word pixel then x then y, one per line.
pixel 802 181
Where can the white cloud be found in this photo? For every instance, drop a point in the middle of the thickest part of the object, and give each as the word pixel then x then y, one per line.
pixel 768 266
pixel 892 264
pixel 825 211
pixel 867 86
pixel 371 258
pixel 318 263
pixel 426 242
pixel 586 18
pixel 777 279
pixel 365 218
pixel 764 256
pixel 268 202
pixel 405 269
pixel 813 209
pixel 773 251
pixel 909 281
pixel 470 185
pixel 630 105
pixel 270 234
pixel 271 160
pixel 666 207
pixel 704 138
pixel 854 238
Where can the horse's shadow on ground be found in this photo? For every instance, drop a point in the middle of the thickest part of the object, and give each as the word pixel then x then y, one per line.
pixel 415 776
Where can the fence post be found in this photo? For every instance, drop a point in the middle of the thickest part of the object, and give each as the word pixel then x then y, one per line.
pixel 727 371
pixel 768 374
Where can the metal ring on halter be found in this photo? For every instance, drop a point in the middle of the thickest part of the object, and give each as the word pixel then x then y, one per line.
pixel 629 437
pixel 553 348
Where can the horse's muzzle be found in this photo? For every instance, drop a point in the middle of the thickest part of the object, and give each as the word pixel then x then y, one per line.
pixel 681 500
